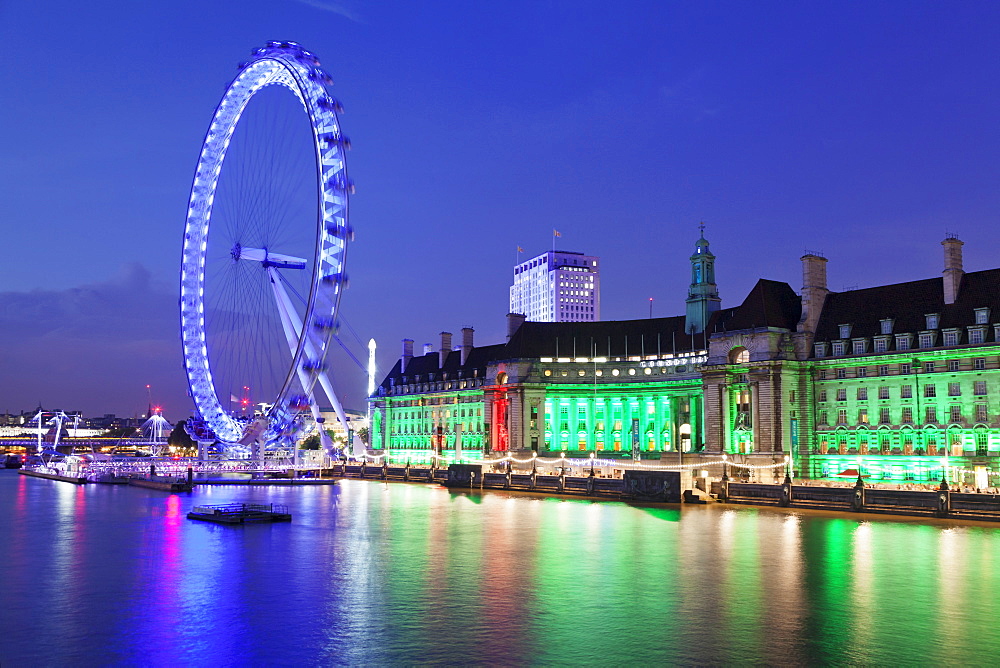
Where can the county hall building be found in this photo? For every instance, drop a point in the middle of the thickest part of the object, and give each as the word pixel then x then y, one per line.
pixel 897 381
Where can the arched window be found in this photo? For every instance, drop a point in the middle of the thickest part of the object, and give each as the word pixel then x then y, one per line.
pixel 739 355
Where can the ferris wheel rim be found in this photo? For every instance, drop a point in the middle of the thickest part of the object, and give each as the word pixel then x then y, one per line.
pixel 288 65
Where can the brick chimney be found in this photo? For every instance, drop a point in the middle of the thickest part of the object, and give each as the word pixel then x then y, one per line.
pixel 407 355
pixel 445 348
pixel 952 268
pixel 814 291
pixel 514 322
pixel 467 333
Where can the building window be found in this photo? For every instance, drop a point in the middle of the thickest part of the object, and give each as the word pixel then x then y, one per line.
pixel 954 365
pixel 863 416
pixel 841 374
pixel 954 389
pixel 906 392
pixel 822 375
pixel 926 340
pixel 862 394
pixel 842 416
pixel 861 371
pixel 883 416
pixel 979 364
pixel 979 388
pixel 981 415
pixel 905 369
pixel 886 326
pixel 976 335
pixel 928 367
pixel 982 316
pixel 859 346
pixel 951 338
pixel 883 392
pixel 822 395
pixel 838 348
pixel 902 341
pixel 842 393
pixel 883 370
pixel 822 418
pixel 932 321
pixel 907 415
pixel 845 331
pixel 820 349
pixel 791 396
pixel 930 414
pixel 955 414
pixel 930 390
pixel 881 345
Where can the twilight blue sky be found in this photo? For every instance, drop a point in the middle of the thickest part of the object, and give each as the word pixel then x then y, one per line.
pixel 864 130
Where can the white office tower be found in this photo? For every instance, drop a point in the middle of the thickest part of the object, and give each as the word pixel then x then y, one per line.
pixel 557 286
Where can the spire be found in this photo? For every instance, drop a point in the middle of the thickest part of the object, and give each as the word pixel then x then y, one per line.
pixel 703 294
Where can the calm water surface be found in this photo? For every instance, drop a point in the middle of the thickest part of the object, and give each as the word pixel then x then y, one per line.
pixel 381 573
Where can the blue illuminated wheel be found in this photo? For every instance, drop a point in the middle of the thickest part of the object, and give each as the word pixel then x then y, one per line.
pixel 262 270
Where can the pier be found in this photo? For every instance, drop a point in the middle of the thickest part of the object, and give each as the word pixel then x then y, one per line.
pixel 240 513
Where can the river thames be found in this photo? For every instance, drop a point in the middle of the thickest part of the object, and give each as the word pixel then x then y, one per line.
pixel 377 573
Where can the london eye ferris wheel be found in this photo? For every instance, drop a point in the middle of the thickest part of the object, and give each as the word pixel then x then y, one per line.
pixel 265 244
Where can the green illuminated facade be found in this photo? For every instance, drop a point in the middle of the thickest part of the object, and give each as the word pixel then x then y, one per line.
pixel 899 382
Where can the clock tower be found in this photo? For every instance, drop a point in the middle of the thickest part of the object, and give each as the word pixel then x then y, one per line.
pixel 703 294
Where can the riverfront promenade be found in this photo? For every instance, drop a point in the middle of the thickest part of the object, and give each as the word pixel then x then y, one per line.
pixel 651 486
pixel 369 573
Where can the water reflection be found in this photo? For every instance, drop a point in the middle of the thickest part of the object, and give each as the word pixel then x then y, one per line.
pixel 370 572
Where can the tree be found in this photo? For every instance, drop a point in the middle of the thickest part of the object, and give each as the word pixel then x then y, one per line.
pixel 363 435
pixel 179 437
pixel 311 442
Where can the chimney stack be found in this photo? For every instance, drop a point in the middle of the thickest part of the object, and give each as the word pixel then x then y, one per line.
pixel 407 355
pixel 445 348
pixel 467 333
pixel 428 348
pixel 952 268
pixel 814 291
pixel 514 322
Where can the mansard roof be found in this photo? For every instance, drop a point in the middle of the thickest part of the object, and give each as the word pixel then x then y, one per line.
pixel 424 365
pixel 769 304
pixel 605 338
pixel 907 304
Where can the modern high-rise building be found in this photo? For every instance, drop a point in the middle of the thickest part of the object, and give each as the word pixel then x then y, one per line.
pixel 557 286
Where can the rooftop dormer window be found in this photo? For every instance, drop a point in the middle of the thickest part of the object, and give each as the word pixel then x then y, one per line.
pixel 932 320
pixel 845 331
pixel 982 316
pixel 886 326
